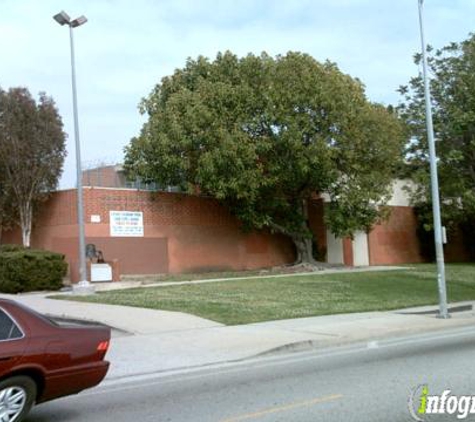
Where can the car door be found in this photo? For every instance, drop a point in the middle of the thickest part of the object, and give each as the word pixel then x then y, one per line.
pixel 12 342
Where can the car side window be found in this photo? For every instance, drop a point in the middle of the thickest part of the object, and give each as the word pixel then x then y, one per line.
pixel 8 329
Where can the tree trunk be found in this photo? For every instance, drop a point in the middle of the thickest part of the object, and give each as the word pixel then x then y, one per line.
pixel 303 239
pixel 304 249
pixel 303 244
pixel 25 221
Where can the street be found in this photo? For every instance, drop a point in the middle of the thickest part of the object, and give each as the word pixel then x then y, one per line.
pixel 363 382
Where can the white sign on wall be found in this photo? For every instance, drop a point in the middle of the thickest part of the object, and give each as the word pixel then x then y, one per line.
pixel 101 272
pixel 95 218
pixel 126 223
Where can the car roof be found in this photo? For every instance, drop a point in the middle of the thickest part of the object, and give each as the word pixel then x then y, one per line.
pixel 12 303
pixel 4 301
pixel 20 309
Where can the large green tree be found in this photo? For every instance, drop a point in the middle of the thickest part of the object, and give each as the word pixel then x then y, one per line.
pixel 32 152
pixel 263 134
pixel 452 85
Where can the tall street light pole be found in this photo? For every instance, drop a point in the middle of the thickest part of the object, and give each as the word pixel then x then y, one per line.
pixel 84 286
pixel 439 249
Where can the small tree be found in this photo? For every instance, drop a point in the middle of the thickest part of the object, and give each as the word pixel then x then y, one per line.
pixel 263 134
pixel 32 151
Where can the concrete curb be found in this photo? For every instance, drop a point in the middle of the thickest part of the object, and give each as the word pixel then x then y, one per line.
pixel 306 346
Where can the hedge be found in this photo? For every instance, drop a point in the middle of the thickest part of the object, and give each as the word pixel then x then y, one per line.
pixel 11 248
pixel 26 270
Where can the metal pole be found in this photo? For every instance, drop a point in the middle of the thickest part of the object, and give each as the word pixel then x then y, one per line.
pixel 83 286
pixel 439 249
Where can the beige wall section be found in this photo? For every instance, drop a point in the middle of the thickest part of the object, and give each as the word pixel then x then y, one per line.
pixel 360 249
pixel 401 196
pixel 334 249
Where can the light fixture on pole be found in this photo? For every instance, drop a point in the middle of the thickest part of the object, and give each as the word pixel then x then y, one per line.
pixel 84 286
pixel 439 248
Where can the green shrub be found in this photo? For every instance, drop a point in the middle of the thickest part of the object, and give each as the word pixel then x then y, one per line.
pixel 26 270
pixel 11 248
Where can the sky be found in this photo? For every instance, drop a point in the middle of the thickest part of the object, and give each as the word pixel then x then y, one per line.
pixel 126 47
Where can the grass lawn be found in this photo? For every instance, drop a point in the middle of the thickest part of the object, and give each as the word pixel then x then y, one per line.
pixel 265 299
pixel 157 278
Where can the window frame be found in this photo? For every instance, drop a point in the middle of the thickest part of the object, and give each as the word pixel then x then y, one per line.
pixel 15 323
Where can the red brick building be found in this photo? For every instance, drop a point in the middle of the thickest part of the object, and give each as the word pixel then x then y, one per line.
pixel 162 232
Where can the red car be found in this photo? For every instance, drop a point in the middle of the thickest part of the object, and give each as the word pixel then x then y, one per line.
pixel 41 360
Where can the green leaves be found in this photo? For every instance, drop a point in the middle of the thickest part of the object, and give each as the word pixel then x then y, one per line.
pixel 32 152
pixel 262 134
pixel 453 106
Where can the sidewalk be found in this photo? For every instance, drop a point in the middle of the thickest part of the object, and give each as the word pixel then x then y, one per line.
pixel 176 350
pixel 163 341
pixel 119 285
pixel 124 318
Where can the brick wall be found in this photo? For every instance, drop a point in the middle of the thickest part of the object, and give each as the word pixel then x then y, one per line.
pixel 105 176
pixel 182 233
pixel 159 208
pixel 395 241
pixel 456 250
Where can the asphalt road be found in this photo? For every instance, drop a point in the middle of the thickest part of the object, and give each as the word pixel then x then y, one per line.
pixel 370 382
